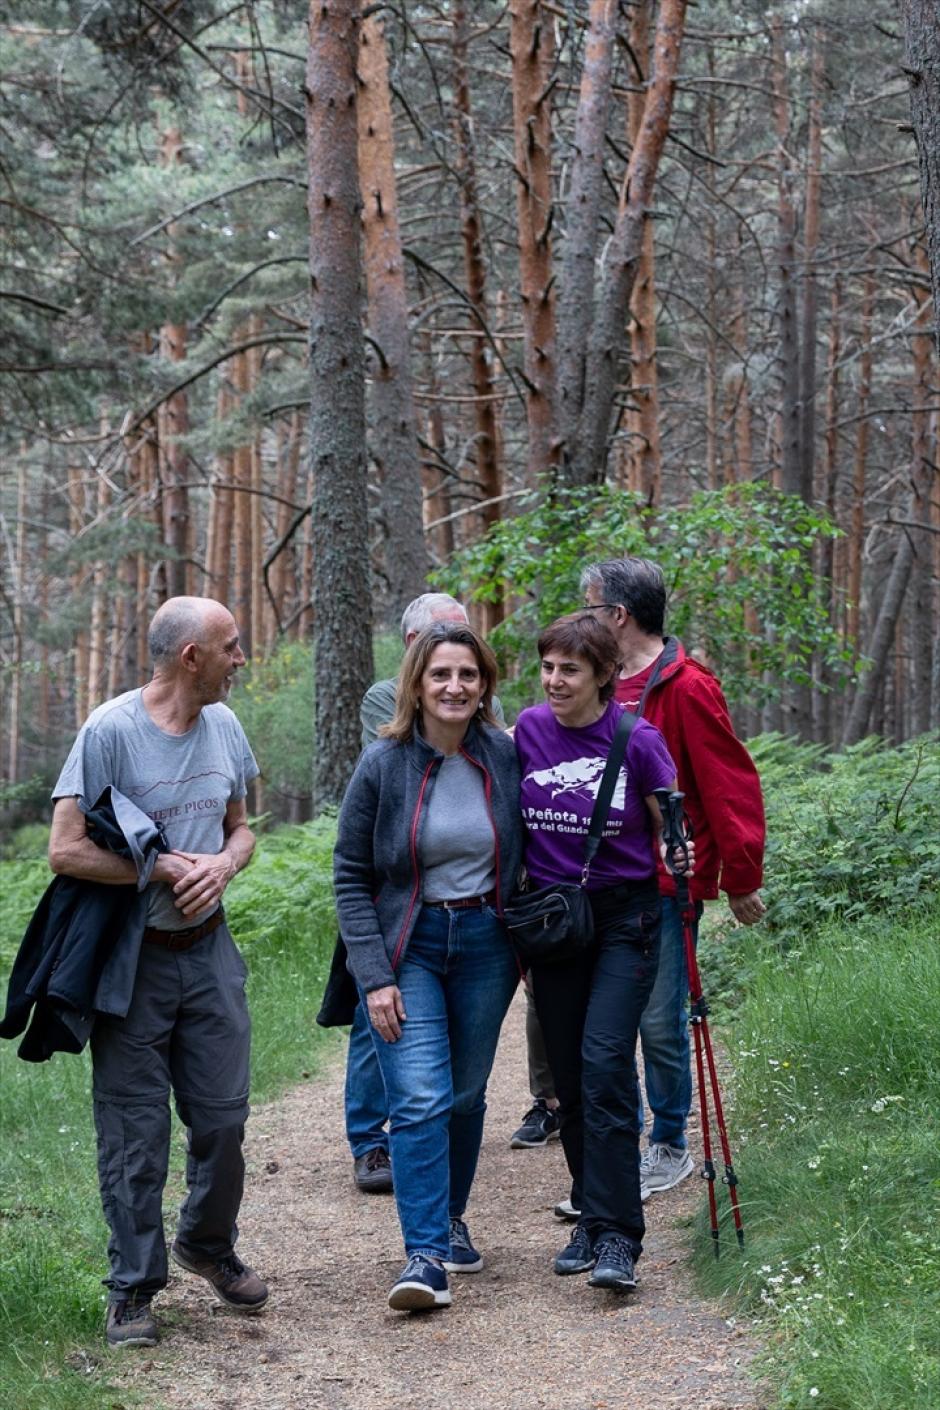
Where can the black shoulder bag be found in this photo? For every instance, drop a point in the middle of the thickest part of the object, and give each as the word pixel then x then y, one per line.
pixel 556 923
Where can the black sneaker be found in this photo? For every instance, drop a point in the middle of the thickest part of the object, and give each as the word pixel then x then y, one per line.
pixel 130 1323
pixel 578 1256
pixel 372 1172
pixel 613 1267
pixel 539 1125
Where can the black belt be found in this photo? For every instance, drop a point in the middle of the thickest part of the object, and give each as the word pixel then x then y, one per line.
pixel 183 939
pixel 466 903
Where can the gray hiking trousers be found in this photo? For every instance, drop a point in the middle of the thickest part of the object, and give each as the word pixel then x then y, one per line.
pixel 187 1029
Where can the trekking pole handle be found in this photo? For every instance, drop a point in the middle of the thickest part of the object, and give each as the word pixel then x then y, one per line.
pixel 677 830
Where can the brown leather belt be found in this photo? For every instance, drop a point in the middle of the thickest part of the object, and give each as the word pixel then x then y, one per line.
pixel 183 939
pixel 466 903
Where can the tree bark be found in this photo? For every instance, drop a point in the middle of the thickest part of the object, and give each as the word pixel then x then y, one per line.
pixel 589 454
pixel 922 64
pixel 859 475
pixel 810 289
pixel 923 626
pixel 643 419
pixel 531 42
pixel 172 425
pixel 486 439
pixel 582 210
pixel 791 475
pixel 394 437
pixel 342 617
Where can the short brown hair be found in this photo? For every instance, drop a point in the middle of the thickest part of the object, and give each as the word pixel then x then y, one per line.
pixel 581 634
pixel 419 653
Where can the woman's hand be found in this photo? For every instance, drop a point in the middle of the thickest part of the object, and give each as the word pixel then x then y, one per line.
pixel 387 1012
pixel 679 865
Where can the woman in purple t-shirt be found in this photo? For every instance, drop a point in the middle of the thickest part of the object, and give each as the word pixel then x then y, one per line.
pixel 589 1007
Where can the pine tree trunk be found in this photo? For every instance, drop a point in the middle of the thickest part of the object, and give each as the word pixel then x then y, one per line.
pixel 221 512
pixel 486 439
pixel 172 424
pixel 859 475
pixel 810 290
pixel 342 617
pixel 922 65
pixel 18 603
pixel 394 440
pixel 531 42
pixel 240 601
pixel 826 495
pixel 643 419
pixel 924 625
pixel 588 456
pixel 791 478
pixel 582 211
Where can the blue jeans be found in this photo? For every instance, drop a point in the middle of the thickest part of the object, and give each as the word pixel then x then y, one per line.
pixel 456 982
pixel 366 1102
pixel 664 1034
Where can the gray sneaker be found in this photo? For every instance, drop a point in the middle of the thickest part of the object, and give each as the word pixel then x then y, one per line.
pixel 130 1323
pixel 663 1166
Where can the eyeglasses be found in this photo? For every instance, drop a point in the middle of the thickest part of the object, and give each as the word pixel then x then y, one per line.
pixel 596 606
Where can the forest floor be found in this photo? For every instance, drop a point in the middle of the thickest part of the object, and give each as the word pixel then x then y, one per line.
pixel 516 1336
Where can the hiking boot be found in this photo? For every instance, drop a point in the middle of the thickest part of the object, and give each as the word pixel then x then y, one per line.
pixel 421 1287
pixel 463 1257
pixel 236 1285
pixel 613 1267
pixel 565 1210
pixel 539 1125
pixel 578 1255
pixel 662 1166
pixel 372 1172
pixel 130 1323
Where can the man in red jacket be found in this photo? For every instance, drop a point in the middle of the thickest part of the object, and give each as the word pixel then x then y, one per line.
pixel 723 800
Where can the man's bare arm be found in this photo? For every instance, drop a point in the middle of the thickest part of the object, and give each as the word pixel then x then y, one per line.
pixel 72 853
pixel 209 875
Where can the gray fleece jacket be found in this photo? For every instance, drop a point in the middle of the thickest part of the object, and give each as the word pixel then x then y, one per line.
pixel 376 872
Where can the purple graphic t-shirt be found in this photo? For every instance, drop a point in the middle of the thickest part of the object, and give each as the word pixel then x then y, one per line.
pixel 562 770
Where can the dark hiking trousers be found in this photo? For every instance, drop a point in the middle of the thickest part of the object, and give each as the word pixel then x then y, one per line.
pixel 187 1029
pixel 589 1009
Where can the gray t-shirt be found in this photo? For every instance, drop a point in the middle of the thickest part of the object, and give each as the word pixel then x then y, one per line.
pixel 457 848
pixel 378 707
pixel 184 781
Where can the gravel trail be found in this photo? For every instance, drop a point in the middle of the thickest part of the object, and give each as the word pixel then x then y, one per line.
pixel 516 1336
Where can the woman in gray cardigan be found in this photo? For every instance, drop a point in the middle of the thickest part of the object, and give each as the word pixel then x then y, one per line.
pixel 428 849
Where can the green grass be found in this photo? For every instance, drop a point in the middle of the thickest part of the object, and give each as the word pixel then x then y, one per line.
pixel 52 1235
pixel 835 1049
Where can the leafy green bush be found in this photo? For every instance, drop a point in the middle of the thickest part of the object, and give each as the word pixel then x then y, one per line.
pixel 848 834
pixel 736 563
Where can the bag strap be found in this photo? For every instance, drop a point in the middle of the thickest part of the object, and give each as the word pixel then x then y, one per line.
pixel 618 748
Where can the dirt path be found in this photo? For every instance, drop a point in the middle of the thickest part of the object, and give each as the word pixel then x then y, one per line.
pixel 516 1336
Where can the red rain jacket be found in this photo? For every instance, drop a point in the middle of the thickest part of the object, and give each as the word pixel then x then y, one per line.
pixel 716 774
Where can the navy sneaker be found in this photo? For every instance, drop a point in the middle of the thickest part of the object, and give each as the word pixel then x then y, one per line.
pixel 613 1266
pixel 578 1256
pixel 539 1125
pixel 463 1257
pixel 421 1287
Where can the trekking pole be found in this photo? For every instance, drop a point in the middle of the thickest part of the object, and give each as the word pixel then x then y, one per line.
pixel 677 832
